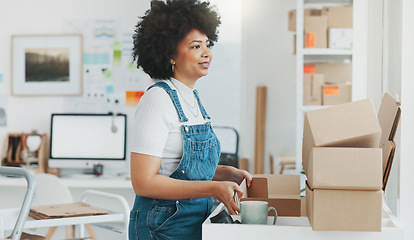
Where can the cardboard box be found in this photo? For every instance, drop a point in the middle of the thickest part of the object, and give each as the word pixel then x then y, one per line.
pixel 353 124
pixel 389 117
pixel 335 72
pixel 312 89
pixel 345 168
pixel 341 38
pixel 388 157
pixel 338 16
pixel 334 94
pixel 306 12
pixel 316 31
pixel 344 210
pixel 280 191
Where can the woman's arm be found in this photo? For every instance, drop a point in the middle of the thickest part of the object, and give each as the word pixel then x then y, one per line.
pixel 229 173
pixel 147 182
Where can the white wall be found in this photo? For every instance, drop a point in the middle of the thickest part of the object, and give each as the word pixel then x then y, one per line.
pixel 268 60
pixel 220 90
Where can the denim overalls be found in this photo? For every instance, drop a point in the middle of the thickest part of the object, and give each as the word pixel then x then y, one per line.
pixel 181 219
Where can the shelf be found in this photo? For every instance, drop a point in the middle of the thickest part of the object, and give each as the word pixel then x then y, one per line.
pixel 343 2
pixel 326 52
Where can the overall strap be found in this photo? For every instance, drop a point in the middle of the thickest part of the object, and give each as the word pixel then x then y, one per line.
pixel 203 111
pixel 174 97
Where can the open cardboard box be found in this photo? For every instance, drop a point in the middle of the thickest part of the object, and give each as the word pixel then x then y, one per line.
pixel 353 124
pixel 344 188
pixel 280 191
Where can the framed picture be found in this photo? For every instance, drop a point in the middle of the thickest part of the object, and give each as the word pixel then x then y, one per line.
pixel 46 65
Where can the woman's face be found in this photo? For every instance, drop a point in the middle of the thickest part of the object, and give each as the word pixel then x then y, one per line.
pixel 193 58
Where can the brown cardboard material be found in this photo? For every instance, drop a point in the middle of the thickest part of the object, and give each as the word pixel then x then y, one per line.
pixel 389 116
pixel 353 124
pixel 306 12
pixel 335 72
pixel 312 89
pixel 318 26
pixel 283 192
pixel 64 210
pixel 344 210
pixel 388 157
pixel 333 94
pixel 338 16
pixel 345 168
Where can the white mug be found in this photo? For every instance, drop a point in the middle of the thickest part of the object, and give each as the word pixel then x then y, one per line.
pixel 255 212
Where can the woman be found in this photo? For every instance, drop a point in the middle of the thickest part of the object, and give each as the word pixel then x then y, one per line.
pixel 175 152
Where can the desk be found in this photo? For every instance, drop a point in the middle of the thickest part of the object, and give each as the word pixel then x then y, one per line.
pixel 296 228
pixel 13 189
pixel 9 216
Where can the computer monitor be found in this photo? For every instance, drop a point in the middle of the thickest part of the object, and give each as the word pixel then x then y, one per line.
pixel 83 140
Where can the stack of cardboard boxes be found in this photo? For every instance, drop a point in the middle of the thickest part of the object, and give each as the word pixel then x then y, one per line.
pixel 346 156
pixel 330 27
pixel 327 83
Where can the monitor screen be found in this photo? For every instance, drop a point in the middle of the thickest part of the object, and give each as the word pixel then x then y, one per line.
pixel 81 140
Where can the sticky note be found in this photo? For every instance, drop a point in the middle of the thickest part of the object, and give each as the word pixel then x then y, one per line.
pixel 96 58
pixel 131 67
pixel 117 53
pixel 107 74
pixel 132 98
pixel 109 89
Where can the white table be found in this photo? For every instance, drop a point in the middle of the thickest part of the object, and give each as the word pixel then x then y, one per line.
pixel 8 217
pixel 296 228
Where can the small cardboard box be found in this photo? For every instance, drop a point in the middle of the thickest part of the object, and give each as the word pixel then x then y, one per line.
pixel 345 168
pixel 335 72
pixel 333 94
pixel 341 38
pixel 344 210
pixel 312 89
pixel 306 12
pixel 316 31
pixel 338 16
pixel 280 191
pixel 353 124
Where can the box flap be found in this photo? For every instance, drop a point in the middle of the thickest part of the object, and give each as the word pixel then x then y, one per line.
pixel 388 116
pixel 280 184
pixel 258 188
pixel 388 152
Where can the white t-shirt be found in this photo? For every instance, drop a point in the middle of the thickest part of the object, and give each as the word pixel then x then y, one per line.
pixel 157 127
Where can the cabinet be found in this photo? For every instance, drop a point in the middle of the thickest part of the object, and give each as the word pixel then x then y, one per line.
pixel 311 55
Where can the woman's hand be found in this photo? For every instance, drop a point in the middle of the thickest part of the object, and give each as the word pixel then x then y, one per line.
pixel 229 173
pixel 224 192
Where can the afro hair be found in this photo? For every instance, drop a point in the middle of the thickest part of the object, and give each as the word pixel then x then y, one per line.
pixel 164 26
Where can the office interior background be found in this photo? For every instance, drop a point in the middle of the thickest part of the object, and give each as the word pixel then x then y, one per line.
pixel 255 48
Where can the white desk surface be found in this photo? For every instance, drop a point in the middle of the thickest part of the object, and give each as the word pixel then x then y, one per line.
pixel 76 181
pixel 296 228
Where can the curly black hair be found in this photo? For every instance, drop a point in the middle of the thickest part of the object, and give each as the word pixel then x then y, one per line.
pixel 164 26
